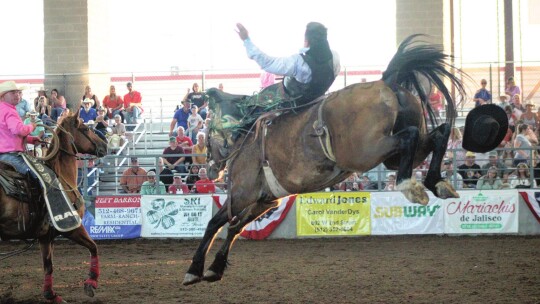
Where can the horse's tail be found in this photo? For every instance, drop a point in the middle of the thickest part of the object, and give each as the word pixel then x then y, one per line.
pixel 415 61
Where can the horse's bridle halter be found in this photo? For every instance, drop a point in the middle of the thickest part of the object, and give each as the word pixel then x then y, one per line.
pixel 72 141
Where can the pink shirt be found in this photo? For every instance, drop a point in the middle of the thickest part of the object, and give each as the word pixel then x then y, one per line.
pixel 12 129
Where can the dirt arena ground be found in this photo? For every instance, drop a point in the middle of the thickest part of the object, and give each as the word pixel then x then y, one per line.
pixel 401 269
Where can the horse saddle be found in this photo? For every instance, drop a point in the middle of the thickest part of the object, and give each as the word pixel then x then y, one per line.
pixel 17 185
pixel 62 213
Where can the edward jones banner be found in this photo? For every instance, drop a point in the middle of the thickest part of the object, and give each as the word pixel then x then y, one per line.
pixel 333 213
pixel 482 212
pixel 175 215
pixel 392 214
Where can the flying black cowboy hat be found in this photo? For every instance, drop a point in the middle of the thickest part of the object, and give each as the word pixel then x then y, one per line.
pixel 485 128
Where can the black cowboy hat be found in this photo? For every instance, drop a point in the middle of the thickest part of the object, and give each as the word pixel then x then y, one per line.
pixel 485 128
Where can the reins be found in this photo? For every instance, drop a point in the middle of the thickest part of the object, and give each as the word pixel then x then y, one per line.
pixel 29 244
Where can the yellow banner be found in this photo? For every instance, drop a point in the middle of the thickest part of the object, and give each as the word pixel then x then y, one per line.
pixel 333 213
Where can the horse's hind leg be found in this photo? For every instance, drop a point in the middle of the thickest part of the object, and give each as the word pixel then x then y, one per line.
pixel 81 237
pixel 46 246
pixel 405 144
pixel 438 140
pixel 252 212
pixel 195 271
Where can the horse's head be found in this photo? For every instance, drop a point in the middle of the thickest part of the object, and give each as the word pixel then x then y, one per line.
pixel 81 137
pixel 216 153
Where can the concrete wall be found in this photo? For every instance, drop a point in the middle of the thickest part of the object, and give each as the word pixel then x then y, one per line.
pixel 76 43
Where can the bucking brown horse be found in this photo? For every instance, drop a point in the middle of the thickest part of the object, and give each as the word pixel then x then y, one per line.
pixel 27 218
pixel 350 130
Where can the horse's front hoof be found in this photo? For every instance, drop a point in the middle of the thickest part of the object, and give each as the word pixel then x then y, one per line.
pixel 414 191
pixel 211 276
pixel 445 190
pixel 190 279
pixel 89 290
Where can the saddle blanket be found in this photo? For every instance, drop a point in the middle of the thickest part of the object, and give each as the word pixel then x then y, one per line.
pixel 63 215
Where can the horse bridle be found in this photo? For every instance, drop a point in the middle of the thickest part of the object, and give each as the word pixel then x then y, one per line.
pixel 72 141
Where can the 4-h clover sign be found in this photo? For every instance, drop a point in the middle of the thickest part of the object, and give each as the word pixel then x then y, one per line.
pixel 162 213
pixel 175 215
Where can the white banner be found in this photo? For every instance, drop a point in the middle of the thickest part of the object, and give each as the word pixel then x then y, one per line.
pixel 392 214
pixel 175 215
pixel 482 212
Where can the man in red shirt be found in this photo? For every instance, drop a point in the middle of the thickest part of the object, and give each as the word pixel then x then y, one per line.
pixel 132 104
pixel 204 185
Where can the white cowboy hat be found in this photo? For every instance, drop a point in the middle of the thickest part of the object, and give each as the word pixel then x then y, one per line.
pixel 88 100
pixel 42 89
pixel 530 103
pixel 7 86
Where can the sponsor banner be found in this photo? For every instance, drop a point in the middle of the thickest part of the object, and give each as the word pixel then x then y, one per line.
pixel 116 217
pixel 182 216
pixel 263 227
pixel 393 214
pixel 333 213
pixel 493 211
pixel 532 199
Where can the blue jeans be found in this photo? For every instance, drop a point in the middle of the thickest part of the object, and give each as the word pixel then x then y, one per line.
pixel 17 162
pixel 131 117
pixel 55 113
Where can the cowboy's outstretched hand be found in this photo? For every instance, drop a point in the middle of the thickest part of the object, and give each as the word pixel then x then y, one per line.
pixel 242 32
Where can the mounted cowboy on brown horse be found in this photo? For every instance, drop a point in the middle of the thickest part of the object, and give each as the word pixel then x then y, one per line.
pixel 39 197
pixel 350 130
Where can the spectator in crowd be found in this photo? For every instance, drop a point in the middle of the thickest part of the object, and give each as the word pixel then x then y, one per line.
pixel 171 156
pixel 64 114
pixel 536 171
pixel 390 182
pixel 455 142
pixel 24 107
pixel 521 178
pixel 436 101
pixel 114 104
pixel 490 181
pixel 204 185
pixel 88 94
pixel 39 132
pixel 451 175
pixel 511 87
pixel 348 183
pixel 180 118
pixel 41 104
pixel 512 118
pixel 87 171
pixel 199 148
pixel 87 113
pixel 133 177
pixel 267 79
pixel 185 143
pixel 193 176
pixel 367 184
pixel 102 121
pixel 195 123
pixel 197 98
pixel 220 87
pixel 518 106
pixel 178 186
pixel 470 171
pixel 58 103
pixel 522 144
pixel 151 185
pixel 132 104
pixel 482 96
pixel 507 140
pixel 504 100
pixel 165 174
pixel 494 162
pixel 529 117
pixel 118 127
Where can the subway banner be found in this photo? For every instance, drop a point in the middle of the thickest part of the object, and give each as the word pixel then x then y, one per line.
pixel 494 211
pixel 115 217
pixel 393 214
pixel 333 213
pixel 183 216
